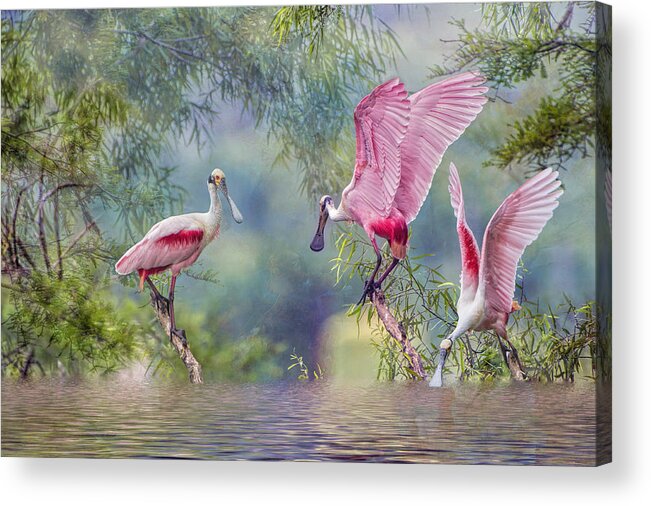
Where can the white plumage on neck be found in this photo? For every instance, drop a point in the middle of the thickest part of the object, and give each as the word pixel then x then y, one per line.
pixel 337 214
pixel 214 214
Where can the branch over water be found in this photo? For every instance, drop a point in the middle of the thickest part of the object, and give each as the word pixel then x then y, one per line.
pixel 397 331
pixel 161 306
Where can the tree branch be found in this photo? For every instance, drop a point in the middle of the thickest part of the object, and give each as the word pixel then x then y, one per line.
pixel 74 242
pixel 397 331
pixel 14 218
pixel 175 50
pixel 41 226
pixel 25 254
pixel 161 306
pixel 36 150
pixel 60 187
pixel 567 18
pixel 57 236
pixel 24 371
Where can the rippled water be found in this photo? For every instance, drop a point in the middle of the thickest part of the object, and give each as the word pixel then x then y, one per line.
pixel 508 424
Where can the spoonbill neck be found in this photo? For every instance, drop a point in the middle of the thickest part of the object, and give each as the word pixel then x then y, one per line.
pixel 215 203
pixel 337 214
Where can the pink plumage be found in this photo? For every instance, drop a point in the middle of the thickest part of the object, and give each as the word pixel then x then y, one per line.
pixel 176 242
pixel 173 243
pixel 488 278
pixel 467 242
pixel 515 225
pixel 401 140
pixel 381 121
pixel 439 115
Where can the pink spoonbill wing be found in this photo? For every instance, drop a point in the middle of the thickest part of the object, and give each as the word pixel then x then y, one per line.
pixel 439 114
pixel 169 242
pixel 515 225
pixel 467 242
pixel 381 120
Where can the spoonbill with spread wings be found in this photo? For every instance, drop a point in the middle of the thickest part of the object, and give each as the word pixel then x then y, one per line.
pixel 488 279
pixel 400 142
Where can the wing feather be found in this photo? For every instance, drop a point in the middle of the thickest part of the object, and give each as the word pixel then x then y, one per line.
pixel 516 224
pixel 467 241
pixel 381 120
pixel 168 242
pixel 440 113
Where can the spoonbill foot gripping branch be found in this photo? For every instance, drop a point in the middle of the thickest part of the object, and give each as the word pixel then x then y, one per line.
pixel 174 244
pixel 165 306
pixel 400 139
pixel 488 277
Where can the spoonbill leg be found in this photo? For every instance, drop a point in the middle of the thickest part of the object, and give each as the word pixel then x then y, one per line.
pixel 171 306
pixel 393 265
pixel 157 294
pixel 370 282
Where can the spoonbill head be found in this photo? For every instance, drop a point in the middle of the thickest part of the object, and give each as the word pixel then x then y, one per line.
pixel 218 180
pixel 318 242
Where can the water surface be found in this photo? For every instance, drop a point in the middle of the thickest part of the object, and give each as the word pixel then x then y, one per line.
pixel 497 424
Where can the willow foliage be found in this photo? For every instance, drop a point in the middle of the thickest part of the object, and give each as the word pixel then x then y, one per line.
pixel 554 343
pixel 518 42
pixel 93 100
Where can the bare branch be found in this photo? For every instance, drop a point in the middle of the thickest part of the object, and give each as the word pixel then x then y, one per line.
pixel 89 226
pixel 397 331
pixel 57 235
pixel 177 51
pixel 14 218
pixel 60 187
pixel 25 254
pixel 24 371
pixel 41 226
pixel 567 18
pixel 36 150
pixel 161 306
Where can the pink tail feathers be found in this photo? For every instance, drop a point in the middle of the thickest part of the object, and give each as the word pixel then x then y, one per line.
pixel 399 241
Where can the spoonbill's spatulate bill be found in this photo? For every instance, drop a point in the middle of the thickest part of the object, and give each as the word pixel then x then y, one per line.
pixel 400 142
pixel 488 279
pixel 176 242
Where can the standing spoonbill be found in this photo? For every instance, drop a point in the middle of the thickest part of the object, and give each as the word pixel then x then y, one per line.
pixel 176 242
pixel 400 142
pixel 488 279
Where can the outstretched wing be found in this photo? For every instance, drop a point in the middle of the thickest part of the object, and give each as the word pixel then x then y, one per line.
pixel 381 120
pixel 515 225
pixel 170 241
pixel 467 242
pixel 439 115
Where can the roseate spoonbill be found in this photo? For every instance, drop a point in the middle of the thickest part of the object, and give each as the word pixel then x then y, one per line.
pixel 400 142
pixel 488 279
pixel 176 242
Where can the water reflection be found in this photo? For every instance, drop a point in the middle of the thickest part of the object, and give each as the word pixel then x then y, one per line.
pixel 508 424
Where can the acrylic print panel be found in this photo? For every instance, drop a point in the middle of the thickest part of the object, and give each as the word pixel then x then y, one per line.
pixel 338 233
